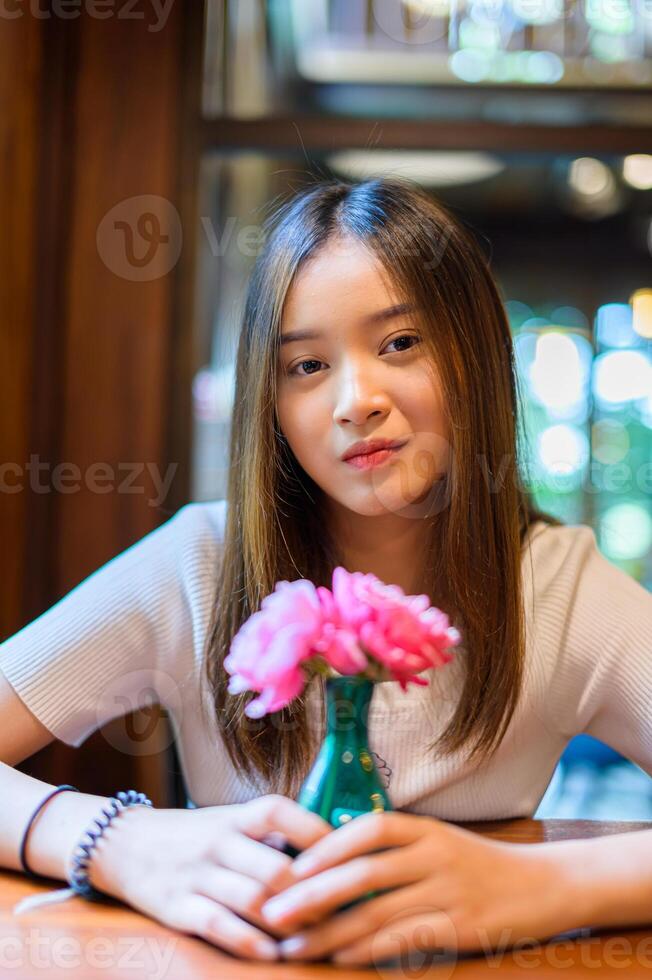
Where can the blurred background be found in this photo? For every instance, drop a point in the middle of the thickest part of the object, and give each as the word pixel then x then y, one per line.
pixel 141 156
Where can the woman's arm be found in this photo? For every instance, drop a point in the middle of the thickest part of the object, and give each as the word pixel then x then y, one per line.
pixel 56 830
pixel 61 823
pixel 598 622
pixel 612 876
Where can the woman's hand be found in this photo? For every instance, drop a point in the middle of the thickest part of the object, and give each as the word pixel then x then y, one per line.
pixel 448 889
pixel 206 871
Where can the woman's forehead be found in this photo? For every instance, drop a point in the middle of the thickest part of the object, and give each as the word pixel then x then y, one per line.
pixel 354 279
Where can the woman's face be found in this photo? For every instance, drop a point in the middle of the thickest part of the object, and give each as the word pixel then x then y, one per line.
pixel 363 374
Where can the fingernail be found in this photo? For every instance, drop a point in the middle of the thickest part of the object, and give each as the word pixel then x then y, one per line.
pixel 302 864
pixel 295 944
pixel 268 949
pixel 276 908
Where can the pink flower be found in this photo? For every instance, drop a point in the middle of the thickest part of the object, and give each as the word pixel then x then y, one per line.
pixel 404 633
pixel 267 651
pixel 362 627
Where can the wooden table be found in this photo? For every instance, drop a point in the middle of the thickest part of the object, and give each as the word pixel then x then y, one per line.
pixel 81 940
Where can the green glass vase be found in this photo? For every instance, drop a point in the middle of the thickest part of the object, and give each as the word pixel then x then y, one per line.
pixel 344 781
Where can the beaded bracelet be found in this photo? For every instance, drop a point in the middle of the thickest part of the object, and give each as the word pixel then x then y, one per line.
pixel 78 879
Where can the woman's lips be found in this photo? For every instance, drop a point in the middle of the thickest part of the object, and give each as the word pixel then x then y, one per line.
pixel 368 461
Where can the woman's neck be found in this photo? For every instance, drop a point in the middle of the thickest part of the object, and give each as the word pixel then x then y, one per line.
pixel 388 546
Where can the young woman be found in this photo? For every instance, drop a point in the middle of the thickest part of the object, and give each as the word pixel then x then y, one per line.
pixel 371 314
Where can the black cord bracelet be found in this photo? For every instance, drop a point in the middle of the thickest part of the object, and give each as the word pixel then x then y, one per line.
pixel 23 843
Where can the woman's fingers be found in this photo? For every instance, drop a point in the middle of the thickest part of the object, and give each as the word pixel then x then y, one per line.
pixel 310 900
pixel 212 921
pixel 346 928
pixel 275 813
pixel 424 931
pixel 369 832
pixel 236 891
pixel 250 857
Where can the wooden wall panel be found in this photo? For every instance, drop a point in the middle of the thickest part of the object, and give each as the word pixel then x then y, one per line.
pixel 117 331
pixel 20 66
pixel 98 146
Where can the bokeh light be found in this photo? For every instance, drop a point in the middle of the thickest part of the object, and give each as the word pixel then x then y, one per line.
pixel 614 326
pixel 560 372
pixel 590 177
pixel 621 376
pixel 563 450
pixel 615 17
pixel 641 302
pixel 637 171
pixel 626 531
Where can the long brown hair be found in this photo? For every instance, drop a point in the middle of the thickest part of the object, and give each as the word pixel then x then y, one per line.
pixel 274 528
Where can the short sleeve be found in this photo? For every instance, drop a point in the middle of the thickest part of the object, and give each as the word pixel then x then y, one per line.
pixel 120 632
pixel 602 681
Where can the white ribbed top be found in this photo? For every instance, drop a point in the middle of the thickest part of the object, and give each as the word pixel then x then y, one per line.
pixel 134 630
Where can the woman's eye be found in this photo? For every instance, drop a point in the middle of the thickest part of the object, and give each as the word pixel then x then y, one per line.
pixel 295 369
pixel 411 337
pixel 406 336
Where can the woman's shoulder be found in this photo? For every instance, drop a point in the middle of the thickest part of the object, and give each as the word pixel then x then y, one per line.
pixel 201 519
pixel 559 536
pixel 193 538
pixel 567 570
pixel 558 552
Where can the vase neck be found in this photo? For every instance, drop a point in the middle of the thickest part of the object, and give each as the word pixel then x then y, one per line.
pixel 347 702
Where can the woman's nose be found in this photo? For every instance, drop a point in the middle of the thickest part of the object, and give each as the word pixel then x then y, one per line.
pixel 359 397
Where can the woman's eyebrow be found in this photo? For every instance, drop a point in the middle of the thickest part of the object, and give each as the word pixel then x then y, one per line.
pixel 380 316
